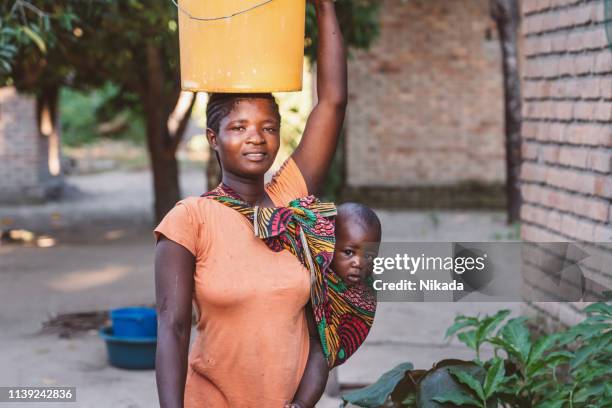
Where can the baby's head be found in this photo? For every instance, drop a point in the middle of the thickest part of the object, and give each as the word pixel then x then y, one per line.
pixel 358 234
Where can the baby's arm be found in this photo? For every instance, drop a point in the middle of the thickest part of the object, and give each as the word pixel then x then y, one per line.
pixel 315 375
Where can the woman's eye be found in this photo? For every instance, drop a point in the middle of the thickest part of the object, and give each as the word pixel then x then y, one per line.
pixel 270 129
pixel 238 128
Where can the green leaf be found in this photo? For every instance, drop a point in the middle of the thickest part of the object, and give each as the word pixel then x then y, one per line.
pixel 540 346
pixel 550 404
pixel 490 323
pixel 458 325
pixel 551 360
pixel 602 308
pixel 587 351
pixel 376 394
pixel 584 394
pixel 35 38
pixel 468 338
pixel 495 376
pixel 516 334
pixel 469 380
pixel 458 398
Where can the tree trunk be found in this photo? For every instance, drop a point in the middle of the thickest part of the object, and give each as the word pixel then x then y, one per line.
pixel 165 182
pixel 162 144
pixel 506 14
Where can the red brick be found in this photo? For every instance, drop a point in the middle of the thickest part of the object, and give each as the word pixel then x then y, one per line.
pixel 533 172
pixel 553 220
pixel 603 186
pixel 529 130
pixel 603 62
pixel 556 131
pixel 571 156
pixel 550 153
pixel 584 110
pixel 597 11
pixel 595 38
pixel 583 64
pixel 606 87
pixel 589 88
pixel 600 161
pixel 563 111
pixel 529 151
pixel 603 233
pixel 603 111
pixel 529 193
pixel 563 66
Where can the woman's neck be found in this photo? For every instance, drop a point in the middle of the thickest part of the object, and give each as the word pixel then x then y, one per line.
pixel 251 191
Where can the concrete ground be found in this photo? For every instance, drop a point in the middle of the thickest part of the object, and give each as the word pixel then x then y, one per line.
pixel 103 259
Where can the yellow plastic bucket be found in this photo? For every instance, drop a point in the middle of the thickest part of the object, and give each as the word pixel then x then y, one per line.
pixel 241 45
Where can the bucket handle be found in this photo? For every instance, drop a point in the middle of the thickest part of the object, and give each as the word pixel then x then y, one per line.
pixel 191 16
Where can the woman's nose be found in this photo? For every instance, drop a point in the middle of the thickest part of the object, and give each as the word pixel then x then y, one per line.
pixel 255 137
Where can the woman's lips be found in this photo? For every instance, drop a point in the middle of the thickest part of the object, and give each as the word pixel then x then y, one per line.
pixel 256 156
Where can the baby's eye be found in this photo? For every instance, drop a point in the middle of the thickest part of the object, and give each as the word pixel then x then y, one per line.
pixel 348 252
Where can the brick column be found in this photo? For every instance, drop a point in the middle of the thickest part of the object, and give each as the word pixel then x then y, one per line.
pixel 22 153
pixel 567 132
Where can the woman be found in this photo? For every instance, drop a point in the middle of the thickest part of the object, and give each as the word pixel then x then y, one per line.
pixel 252 344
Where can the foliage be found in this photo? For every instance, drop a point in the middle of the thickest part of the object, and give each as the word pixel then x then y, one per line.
pixel 567 369
pixel 85 115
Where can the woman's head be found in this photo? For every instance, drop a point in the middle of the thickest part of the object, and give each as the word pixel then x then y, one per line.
pixel 244 131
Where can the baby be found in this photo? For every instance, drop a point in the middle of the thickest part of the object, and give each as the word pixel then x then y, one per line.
pixel 358 234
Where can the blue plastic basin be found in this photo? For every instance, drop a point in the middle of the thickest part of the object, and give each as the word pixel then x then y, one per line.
pixel 134 322
pixel 133 353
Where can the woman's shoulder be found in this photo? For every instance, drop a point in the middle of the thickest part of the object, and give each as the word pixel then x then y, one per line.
pixel 198 206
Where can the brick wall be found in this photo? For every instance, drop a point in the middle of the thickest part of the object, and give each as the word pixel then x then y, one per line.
pixel 22 153
pixel 425 112
pixel 567 134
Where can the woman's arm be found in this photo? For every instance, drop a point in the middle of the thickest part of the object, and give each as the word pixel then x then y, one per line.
pixel 316 150
pixel 174 268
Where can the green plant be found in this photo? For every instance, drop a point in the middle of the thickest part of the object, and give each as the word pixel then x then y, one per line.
pixel 568 369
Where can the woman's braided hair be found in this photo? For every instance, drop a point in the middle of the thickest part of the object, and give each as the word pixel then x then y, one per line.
pixel 221 104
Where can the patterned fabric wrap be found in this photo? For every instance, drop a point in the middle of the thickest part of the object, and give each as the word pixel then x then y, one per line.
pixel 343 314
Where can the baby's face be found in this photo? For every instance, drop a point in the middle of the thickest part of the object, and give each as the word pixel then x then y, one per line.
pixel 354 253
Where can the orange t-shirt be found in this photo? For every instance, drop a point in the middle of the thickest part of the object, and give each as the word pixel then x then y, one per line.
pixel 252 342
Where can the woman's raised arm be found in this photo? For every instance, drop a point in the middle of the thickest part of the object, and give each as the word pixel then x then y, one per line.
pixel 174 268
pixel 316 150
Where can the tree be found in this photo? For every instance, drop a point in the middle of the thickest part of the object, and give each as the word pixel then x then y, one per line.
pixel 133 44
pixel 506 14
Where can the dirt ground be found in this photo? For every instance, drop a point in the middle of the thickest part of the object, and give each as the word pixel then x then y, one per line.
pixel 102 258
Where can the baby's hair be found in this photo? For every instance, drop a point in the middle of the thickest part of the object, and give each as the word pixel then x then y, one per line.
pixel 362 214
pixel 221 104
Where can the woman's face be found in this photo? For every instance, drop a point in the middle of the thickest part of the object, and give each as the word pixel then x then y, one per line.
pixel 248 139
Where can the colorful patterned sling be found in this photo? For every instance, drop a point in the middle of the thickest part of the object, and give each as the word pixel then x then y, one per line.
pixel 343 314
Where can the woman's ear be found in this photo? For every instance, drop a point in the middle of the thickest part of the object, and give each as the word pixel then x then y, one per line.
pixel 212 138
